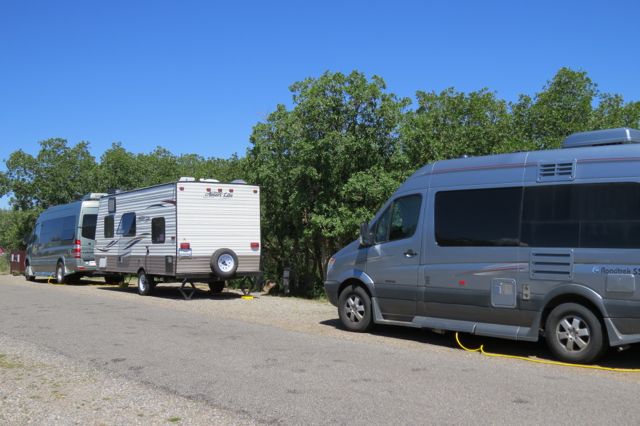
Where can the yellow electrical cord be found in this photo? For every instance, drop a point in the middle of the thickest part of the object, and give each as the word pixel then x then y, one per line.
pixel 541 361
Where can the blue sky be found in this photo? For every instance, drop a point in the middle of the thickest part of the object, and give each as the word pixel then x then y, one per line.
pixel 194 77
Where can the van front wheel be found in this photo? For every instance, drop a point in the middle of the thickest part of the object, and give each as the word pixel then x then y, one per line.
pixel 28 273
pixel 145 284
pixel 354 309
pixel 574 334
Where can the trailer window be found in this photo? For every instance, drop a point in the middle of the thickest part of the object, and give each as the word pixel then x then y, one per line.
pixel 399 220
pixel 108 226
pixel 478 217
pixel 127 226
pixel 157 230
pixel 89 226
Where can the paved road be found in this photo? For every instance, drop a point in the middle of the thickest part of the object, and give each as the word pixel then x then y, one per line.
pixel 276 374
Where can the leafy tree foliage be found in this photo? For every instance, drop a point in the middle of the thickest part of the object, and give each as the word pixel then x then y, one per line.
pixel 340 137
pixel 329 161
pixel 57 175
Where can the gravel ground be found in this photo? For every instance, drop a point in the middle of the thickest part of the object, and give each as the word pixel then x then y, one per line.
pixel 41 387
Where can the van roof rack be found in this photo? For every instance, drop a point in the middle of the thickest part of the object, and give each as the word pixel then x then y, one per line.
pixel 621 135
pixel 93 196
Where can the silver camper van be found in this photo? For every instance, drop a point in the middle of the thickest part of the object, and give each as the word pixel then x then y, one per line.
pixel 61 244
pixel 203 231
pixel 516 246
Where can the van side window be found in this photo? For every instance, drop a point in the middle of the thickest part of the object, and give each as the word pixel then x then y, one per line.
pixel 399 220
pixel 605 215
pixel 127 226
pixel 478 217
pixel 89 226
pixel 157 230
pixel 108 226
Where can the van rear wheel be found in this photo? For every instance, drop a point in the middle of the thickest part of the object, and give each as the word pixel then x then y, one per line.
pixel 145 284
pixel 60 279
pixel 574 334
pixel 354 309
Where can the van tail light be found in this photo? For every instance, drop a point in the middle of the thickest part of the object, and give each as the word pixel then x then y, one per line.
pixel 77 249
pixel 185 246
pixel 255 246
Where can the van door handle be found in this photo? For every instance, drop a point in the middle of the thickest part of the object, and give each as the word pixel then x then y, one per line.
pixel 410 253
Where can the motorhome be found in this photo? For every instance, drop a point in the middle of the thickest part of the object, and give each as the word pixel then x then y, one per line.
pixel 204 231
pixel 517 246
pixel 61 244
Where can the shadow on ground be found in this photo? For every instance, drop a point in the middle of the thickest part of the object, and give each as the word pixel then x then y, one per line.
pixel 612 359
pixel 172 291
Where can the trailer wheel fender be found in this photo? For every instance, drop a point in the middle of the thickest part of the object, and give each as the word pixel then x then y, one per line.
pixel 224 263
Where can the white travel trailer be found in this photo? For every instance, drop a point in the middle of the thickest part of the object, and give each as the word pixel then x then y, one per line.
pixel 189 230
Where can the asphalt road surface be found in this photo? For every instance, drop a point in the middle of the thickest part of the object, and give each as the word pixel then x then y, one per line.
pixel 277 360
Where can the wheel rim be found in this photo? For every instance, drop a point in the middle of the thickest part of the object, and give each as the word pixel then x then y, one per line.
pixel 354 309
pixel 28 272
pixel 59 274
pixel 225 262
pixel 142 282
pixel 573 333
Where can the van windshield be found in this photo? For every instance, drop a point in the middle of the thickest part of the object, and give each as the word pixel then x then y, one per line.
pixel 89 226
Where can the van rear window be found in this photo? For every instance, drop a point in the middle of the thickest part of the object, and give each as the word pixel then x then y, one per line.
pixel 89 226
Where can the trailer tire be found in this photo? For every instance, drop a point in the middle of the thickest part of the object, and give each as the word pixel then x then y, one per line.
pixel 216 287
pixel 224 263
pixel 113 279
pixel 144 283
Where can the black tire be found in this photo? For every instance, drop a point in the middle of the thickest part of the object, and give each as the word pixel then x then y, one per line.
pixel 216 287
pixel 574 334
pixel 145 283
pixel 113 279
pixel 27 270
pixel 60 278
pixel 354 309
pixel 224 263
pixel 73 279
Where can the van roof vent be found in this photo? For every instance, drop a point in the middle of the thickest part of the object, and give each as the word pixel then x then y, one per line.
pixel 550 172
pixel 617 136
pixel 208 180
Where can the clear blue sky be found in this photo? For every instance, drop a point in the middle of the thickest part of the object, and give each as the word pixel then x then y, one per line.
pixel 196 76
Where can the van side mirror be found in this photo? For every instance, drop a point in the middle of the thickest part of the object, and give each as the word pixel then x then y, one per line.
pixel 366 237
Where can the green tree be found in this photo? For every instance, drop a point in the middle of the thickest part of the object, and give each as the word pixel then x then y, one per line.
pixel 324 165
pixel 15 226
pixel 451 124
pixel 57 175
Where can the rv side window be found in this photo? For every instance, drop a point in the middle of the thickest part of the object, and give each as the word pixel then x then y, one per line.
pixel 89 226
pixel 127 226
pixel 603 215
pixel 478 217
pixel 399 220
pixel 108 226
pixel 157 230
